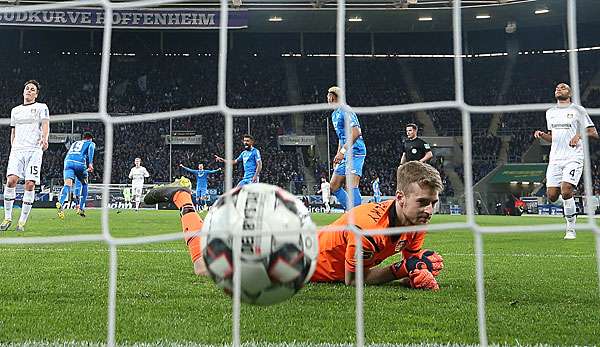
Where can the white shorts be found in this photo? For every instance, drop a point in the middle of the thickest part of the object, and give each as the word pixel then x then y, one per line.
pixel 568 171
pixel 326 198
pixel 137 191
pixel 25 164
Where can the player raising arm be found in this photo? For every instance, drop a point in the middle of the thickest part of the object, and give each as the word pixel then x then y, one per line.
pixel 566 124
pixel 250 156
pixel 418 186
pixel 201 183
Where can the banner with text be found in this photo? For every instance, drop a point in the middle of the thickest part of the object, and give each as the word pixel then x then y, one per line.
pixel 127 19
pixel 296 140
pixel 183 140
pixel 63 137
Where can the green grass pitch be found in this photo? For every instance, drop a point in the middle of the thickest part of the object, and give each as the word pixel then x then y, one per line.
pixel 539 290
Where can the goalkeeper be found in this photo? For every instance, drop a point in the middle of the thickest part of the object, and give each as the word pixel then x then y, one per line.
pixel 418 186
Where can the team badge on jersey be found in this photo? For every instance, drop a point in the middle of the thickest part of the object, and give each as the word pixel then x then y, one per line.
pixel 400 245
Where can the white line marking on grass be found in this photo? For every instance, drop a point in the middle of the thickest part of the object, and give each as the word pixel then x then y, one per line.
pixel 523 255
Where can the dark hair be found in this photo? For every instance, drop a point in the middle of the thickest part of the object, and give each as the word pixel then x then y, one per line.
pixel 412 125
pixel 35 83
pixel 87 135
pixel 248 136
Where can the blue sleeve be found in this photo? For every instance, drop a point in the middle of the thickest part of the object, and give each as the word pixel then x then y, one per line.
pixel 190 170
pixel 258 155
pixel 354 120
pixel 239 157
pixel 212 171
pixel 91 150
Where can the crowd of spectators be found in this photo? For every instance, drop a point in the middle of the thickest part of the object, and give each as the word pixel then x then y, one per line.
pixel 159 84
pixel 139 85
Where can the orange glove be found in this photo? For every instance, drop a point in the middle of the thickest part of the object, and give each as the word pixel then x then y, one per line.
pixel 402 268
pixel 434 261
pixel 421 278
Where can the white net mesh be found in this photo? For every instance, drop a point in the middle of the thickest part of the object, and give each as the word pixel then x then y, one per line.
pixel 229 114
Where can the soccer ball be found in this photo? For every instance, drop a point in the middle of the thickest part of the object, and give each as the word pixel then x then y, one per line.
pixel 275 264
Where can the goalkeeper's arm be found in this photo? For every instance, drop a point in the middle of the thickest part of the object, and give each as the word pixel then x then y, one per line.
pixel 416 271
pixel 375 275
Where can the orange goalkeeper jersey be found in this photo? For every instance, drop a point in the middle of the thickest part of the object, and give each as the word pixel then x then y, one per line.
pixel 337 249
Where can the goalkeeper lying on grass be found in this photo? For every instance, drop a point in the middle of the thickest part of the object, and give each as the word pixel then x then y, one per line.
pixel 418 187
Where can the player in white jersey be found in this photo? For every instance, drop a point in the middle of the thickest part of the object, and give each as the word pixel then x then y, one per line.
pixel 325 193
pixel 566 123
pixel 137 175
pixel 30 126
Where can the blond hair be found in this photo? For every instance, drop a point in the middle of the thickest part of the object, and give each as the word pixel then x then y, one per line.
pixel 335 90
pixel 420 173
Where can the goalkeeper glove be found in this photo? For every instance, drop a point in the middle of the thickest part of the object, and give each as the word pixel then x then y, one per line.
pixel 402 268
pixel 421 278
pixel 434 261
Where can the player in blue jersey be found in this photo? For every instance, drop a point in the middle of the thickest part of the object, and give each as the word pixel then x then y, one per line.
pixel 250 156
pixel 78 163
pixel 376 190
pixel 359 151
pixel 77 192
pixel 201 183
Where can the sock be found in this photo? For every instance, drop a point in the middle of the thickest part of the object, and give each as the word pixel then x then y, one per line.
pixel 559 201
pixel 64 193
pixel 569 211
pixel 83 196
pixel 9 199
pixel 28 198
pixel 327 206
pixel 356 196
pixel 137 204
pixel 342 197
pixel 191 223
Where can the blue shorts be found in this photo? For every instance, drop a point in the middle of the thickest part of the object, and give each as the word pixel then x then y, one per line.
pixel 201 192
pixel 73 170
pixel 377 198
pixel 357 166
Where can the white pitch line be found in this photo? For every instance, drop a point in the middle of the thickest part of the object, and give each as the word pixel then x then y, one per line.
pixel 502 255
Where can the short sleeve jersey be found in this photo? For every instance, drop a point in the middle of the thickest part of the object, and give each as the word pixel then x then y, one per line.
pixel 415 149
pixel 565 123
pixel 27 121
